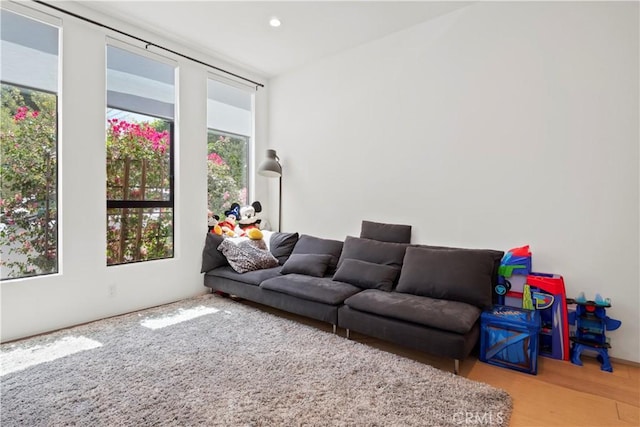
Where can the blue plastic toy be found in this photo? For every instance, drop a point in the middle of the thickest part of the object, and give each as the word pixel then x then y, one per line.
pixel 591 321
pixel 515 263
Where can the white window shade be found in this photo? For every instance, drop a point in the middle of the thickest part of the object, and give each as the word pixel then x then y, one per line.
pixel 27 45
pixel 140 84
pixel 229 109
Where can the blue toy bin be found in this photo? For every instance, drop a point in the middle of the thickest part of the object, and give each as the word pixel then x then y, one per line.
pixel 509 338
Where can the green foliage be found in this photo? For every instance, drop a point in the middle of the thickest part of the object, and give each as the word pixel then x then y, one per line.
pixel 227 171
pixel 28 165
pixel 138 160
pixel 136 234
pixel 138 168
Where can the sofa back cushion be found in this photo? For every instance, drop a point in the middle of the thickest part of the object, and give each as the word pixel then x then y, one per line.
pixel 395 233
pixel 315 245
pixel 496 255
pixel 281 245
pixel 464 275
pixel 367 275
pixel 211 257
pixel 385 253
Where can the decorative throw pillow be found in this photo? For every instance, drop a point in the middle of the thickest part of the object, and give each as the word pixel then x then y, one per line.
pixel 366 275
pixel 260 243
pixel 281 245
pixel 314 245
pixel 454 274
pixel 374 251
pixel 307 264
pixel 211 256
pixel 395 233
pixel 245 256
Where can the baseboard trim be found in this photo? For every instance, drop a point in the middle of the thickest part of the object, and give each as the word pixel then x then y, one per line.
pixel 625 362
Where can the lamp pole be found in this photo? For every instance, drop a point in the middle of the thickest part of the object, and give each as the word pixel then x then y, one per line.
pixel 272 168
pixel 280 203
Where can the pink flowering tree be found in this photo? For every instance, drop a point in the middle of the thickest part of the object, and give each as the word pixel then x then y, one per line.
pixel 28 200
pixel 138 168
pixel 137 161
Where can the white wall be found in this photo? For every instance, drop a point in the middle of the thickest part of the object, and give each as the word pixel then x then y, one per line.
pixel 498 125
pixel 80 292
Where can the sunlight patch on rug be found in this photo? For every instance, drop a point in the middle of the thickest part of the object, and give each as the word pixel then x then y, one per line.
pixel 22 358
pixel 180 316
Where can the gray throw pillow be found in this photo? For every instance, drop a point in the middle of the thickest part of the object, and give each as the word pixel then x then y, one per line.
pixel 374 251
pixel 366 275
pixel 307 264
pixel 211 256
pixel 315 245
pixel 281 245
pixel 463 275
pixel 395 233
pixel 246 256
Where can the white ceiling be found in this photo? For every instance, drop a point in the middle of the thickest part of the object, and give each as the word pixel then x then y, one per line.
pixel 239 31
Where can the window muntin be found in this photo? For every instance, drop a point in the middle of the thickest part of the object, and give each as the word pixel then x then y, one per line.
pixel 229 139
pixel 28 147
pixel 139 161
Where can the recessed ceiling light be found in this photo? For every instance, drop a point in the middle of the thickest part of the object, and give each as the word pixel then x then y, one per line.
pixel 274 22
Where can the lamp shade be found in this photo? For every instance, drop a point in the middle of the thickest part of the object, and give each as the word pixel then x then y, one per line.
pixel 271 166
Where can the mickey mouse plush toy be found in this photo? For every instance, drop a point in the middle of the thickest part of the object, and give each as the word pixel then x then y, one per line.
pixel 249 217
pixel 212 224
pixel 228 226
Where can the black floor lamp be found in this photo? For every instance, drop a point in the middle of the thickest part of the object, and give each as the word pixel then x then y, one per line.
pixel 272 168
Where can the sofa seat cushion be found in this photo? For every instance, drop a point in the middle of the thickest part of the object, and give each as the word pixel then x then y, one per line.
pixel 319 289
pixel 442 314
pixel 250 277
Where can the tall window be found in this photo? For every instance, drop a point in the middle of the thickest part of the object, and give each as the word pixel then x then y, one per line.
pixel 230 123
pixel 140 127
pixel 28 147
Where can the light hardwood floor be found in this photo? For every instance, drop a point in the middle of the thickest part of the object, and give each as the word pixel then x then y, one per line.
pixel 562 394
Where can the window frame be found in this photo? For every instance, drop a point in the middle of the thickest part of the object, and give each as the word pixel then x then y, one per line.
pixel 250 151
pixel 171 121
pixel 44 18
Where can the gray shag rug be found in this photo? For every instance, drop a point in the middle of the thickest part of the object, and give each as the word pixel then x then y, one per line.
pixel 229 364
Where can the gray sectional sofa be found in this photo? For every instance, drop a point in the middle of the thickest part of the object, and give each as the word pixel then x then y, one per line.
pixel 427 298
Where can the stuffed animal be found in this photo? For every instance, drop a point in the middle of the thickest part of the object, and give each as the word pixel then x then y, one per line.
pixel 249 217
pixel 255 234
pixel 256 239
pixel 229 226
pixel 212 224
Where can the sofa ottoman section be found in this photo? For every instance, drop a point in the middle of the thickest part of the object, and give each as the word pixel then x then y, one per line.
pixel 243 285
pixel 250 277
pixel 319 289
pixel 412 335
pixel 451 316
pixel 314 297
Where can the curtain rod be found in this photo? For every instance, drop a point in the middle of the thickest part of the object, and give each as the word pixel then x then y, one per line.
pixel 147 43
